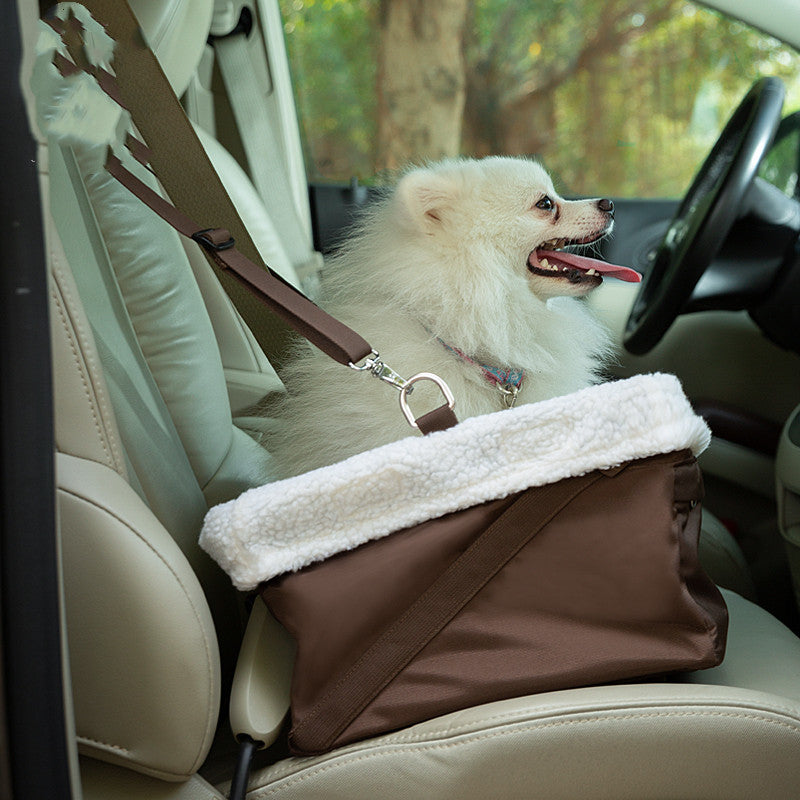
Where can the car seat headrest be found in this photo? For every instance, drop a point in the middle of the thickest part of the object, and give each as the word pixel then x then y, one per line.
pixel 227 14
pixel 176 31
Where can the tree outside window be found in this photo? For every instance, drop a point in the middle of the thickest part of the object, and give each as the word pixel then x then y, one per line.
pixel 619 97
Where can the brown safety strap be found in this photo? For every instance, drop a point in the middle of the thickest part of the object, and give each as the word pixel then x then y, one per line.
pixel 181 164
pixel 440 419
pixel 331 336
pixel 398 644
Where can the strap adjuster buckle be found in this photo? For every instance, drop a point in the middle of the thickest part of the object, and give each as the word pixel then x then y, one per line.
pixel 214 238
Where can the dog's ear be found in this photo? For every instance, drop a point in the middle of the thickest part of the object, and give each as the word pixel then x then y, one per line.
pixel 426 195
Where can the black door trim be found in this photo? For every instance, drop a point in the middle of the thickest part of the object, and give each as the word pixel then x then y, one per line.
pixel 37 762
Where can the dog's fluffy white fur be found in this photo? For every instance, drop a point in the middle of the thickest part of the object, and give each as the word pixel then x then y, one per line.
pixel 445 258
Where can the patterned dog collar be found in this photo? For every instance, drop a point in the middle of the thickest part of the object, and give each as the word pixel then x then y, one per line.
pixel 507 381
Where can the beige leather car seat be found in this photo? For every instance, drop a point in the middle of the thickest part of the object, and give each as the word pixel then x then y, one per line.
pixel 146 443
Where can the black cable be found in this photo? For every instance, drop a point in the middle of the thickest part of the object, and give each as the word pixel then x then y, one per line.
pixel 241 773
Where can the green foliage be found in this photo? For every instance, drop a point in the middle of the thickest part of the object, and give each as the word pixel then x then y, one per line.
pixel 332 48
pixel 658 104
pixel 780 167
pixel 619 97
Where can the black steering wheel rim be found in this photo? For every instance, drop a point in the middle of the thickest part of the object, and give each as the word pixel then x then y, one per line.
pixel 705 216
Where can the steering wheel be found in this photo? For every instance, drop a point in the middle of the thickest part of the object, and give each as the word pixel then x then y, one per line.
pixel 705 216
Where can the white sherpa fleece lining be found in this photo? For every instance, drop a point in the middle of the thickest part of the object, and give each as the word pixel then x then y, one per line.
pixel 290 524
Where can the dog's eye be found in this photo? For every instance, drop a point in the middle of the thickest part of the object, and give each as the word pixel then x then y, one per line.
pixel 546 204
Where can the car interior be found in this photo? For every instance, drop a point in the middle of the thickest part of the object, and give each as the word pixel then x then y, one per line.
pixel 159 386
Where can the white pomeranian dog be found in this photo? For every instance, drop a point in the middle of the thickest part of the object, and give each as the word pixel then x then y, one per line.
pixel 458 272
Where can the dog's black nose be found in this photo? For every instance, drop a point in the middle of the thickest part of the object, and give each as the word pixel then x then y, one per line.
pixel 606 205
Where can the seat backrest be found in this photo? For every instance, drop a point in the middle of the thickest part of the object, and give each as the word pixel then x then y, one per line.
pixel 144 652
pixel 146 442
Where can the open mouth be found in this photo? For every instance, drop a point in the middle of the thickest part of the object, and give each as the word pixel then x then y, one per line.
pixel 550 261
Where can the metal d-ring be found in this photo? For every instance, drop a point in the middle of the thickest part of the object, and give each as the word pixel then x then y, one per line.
pixel 423 376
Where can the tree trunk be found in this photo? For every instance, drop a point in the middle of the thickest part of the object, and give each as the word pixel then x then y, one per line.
pixel 420 80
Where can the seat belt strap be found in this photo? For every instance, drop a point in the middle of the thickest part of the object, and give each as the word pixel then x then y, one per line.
pixel 262 287
pixel 331 336
pixel 334 338
pixel 181 164
pixel 266 154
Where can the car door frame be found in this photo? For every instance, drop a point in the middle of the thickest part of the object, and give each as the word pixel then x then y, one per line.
pixel 38 754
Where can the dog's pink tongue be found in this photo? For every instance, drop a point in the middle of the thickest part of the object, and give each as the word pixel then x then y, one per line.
pixel 583 263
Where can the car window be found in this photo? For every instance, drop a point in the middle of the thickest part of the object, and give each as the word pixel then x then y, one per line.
pixel 780 167
pixel 614 97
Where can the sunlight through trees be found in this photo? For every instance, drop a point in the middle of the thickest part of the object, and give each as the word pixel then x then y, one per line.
pixel 622 97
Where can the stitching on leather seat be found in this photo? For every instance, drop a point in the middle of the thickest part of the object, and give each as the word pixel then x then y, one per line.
pixel 69 330
pixel 211 716
pixel 281 784
pixel 515 719
pixel 87 740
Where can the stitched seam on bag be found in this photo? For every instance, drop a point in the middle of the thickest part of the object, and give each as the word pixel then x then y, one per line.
pixel 633 462
pixel 319 706
pixel 707 618
pixel 284 783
